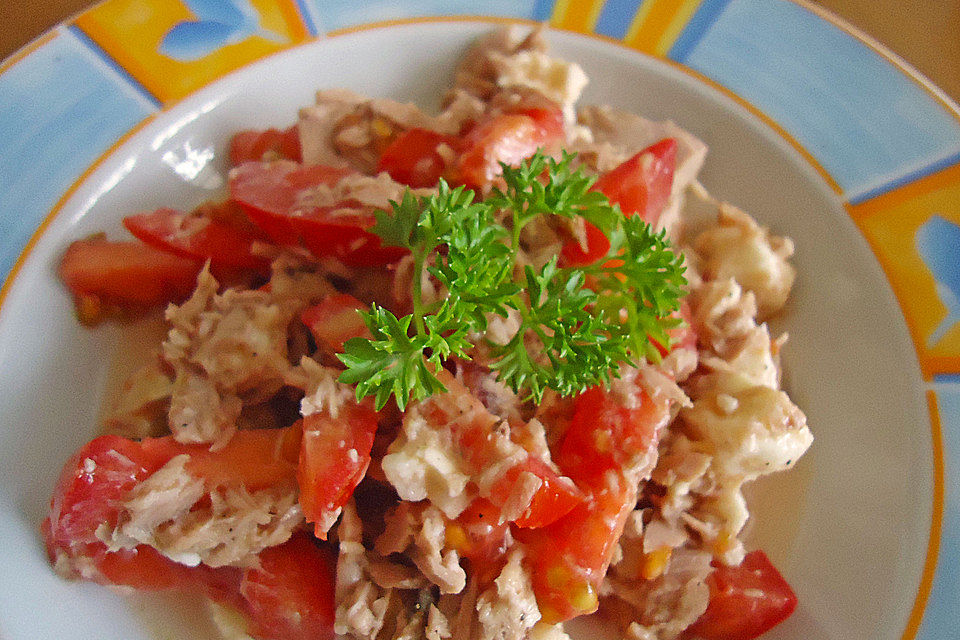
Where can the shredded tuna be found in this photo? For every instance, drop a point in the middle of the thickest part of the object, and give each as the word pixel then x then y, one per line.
pixel 420 532
pixel 166 512
pixel 508 610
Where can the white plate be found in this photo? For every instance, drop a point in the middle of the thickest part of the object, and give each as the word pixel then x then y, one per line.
pixel 849 527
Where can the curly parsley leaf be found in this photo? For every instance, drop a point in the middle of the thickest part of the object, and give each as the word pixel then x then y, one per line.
pixel 576 325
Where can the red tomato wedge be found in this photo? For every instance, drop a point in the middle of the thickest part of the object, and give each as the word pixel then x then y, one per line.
pixel 196 237
pixel 412 158
pixel 745 601
pixel 509 138
pixel 597 245
pixel 334 320
pixel 640 185
pixel 290 594
pixel 478 535
pixel 600 451
pixel 683 337
pixel 334 457
pixel 555 498
pixel 268 193
pixel 271 194
pixel 127 274
pixel 252 145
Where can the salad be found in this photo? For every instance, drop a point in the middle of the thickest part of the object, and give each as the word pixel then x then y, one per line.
pixel 465 375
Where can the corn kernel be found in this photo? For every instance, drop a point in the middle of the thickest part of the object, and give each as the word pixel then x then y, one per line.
pixel 723 543
pixel 89 309
pixel 655 563
pixel 583 597
pixel 601 441
pixel 380 128
pixel 549 615
pixel 558 577
pixel 456 538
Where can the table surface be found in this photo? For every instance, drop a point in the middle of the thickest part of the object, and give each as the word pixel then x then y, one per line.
pixel 926 33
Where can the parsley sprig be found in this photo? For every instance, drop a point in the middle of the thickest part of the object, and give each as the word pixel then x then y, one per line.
pixel 578 324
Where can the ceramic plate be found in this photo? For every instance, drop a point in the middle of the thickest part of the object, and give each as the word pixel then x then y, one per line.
pixel 817 131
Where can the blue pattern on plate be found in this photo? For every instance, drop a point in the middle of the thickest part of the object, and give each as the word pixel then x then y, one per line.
pixel 310 16
pixel 339 14
pixel 61 107
pixel 867 123
pixel 616 16
pixel 542 9
pixel 216 23
pixel 940 619
pixel 938 243
pixel 702 19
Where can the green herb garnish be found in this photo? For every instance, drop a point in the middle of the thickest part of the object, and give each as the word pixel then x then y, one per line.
pixel 578 325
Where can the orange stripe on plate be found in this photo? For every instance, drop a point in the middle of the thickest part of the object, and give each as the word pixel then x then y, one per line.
pixel 291 15
pixel 934 182
pixel 26 50
pixel 370 26
pixel 936 524
pixel 658 23
pixel 114 47
pixel 55 211
pixel 930 365
pixel 576 15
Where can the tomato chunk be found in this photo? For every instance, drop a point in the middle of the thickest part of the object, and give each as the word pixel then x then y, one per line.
pixel 745 601
pixel 290 594
pixel 197 237
pixel 509 138
pixel 474 430
pixel 640 185
pixel 126 274
pixel 272 193
pixel 334 320
pixel 478 535
pixel 334 457
pixel 253 145
pixel 601 451
pixel 555 498
pixel 412 158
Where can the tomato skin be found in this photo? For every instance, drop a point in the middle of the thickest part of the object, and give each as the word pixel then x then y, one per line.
pixel 196 237
pixel 555 498
pixel 290 594
pixel 682 337
pixel 745 601
pixel 334 320
pixel 641 185
pixel 412 158
pixel 478 535
pixel 251 145
pixel 572 254
pixel 569 558
pixel 334 457
pixel 269 193
pixel 509 138
pixel 127 274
